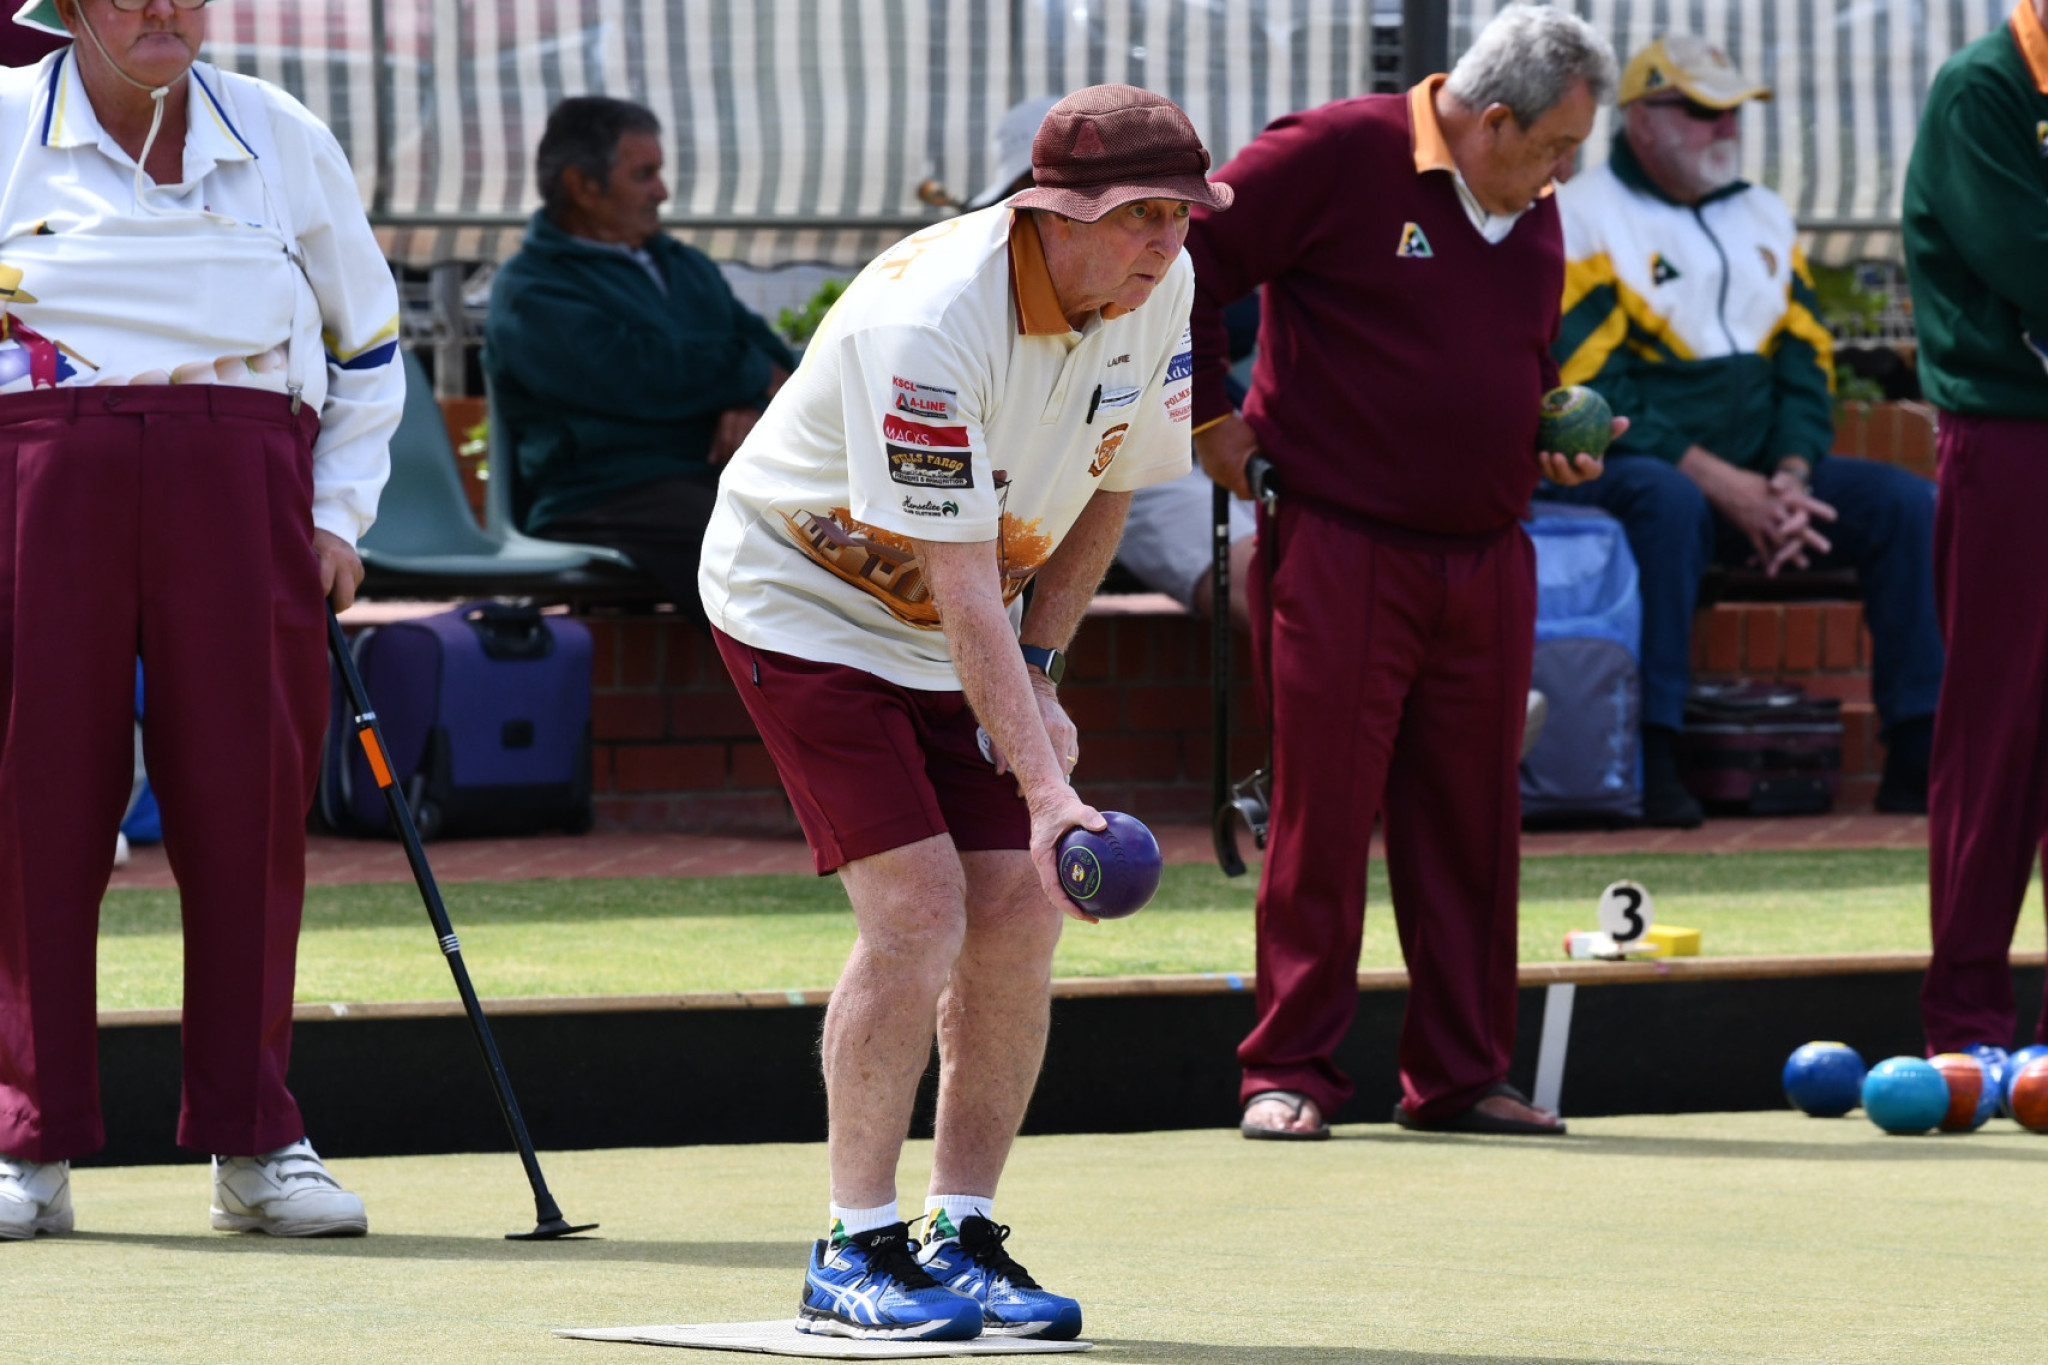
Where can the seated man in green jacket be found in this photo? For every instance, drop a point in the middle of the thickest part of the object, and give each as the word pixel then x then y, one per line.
pixel 1689 306
pixel 622 367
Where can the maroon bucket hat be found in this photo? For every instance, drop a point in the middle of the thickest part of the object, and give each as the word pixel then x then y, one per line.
pixel 1110 145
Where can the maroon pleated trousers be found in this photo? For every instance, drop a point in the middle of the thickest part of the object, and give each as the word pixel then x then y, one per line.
pixel 1987 791
pixel 173 524
pixel 1400 680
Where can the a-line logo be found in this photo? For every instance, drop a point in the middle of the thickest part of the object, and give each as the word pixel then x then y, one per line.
pixel 1414 243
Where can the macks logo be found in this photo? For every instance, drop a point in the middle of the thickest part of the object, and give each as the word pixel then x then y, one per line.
pixel 894 428
pixel 1414 243
pixel 1112 441
pixel 925 507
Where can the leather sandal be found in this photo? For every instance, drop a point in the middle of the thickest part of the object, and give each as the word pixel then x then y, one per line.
pixel 1477 1120
pixel 1294 1100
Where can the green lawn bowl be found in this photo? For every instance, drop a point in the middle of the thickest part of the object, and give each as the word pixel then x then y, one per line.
pixel 1575 421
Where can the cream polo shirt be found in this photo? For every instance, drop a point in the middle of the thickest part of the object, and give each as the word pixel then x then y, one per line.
pixel 944 398
pixel 67 197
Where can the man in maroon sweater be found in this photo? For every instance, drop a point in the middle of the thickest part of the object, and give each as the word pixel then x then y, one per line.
pixel 1413 266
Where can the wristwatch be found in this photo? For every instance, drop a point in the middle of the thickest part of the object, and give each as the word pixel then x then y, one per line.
pixel 1050 662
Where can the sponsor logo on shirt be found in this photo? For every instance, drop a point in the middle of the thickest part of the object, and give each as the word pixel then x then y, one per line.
pixel 1120 360
pixel 1414 243
pixel 885 565
pixel 925 507
pixel 1105 451
pixel 1180 405
pixel 1118 398
pixel 1661 270
pixel 894 428
pixel 1180 367
pixel 922 468
pixel 1770 260
pixel 923 400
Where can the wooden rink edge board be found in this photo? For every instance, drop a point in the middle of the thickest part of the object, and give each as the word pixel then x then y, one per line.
pixel 1642 971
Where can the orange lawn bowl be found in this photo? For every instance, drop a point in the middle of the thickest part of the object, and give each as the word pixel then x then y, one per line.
pixel 2030 1096
pixel 1967 1100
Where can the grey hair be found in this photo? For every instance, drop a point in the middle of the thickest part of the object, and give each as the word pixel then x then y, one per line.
pixel 584 131
pixel 1528 57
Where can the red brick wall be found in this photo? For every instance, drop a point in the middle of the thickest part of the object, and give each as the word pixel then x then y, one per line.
pixel 675 750
pixel 1824 646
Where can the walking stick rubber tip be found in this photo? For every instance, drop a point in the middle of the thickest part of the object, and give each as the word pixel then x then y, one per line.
pixel 554 1229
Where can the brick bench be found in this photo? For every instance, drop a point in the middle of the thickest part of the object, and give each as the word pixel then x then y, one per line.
pixel 1823 646
pixel 674 748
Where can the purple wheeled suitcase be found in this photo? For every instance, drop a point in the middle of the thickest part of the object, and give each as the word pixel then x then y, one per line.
pixel 1767 748
pixel 486 717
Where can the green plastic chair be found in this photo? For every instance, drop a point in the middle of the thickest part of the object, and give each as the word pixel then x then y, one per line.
pixel 426 540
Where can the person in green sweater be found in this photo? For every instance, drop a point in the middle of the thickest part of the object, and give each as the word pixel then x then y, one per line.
pixel 1976 232
pixel 622 367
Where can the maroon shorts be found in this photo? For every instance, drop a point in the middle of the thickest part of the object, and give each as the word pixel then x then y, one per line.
pixel 869 765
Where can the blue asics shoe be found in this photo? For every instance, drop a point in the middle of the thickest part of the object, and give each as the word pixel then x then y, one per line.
pixel 971 1260
pixel 870 1285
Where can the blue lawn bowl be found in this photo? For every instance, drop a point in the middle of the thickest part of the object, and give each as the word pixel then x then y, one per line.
pixel 1824 1079
pixel 2014 1065
pixel 1113 873
pixel 1905 1095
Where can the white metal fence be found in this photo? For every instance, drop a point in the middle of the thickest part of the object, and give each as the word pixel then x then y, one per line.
pixel 800 129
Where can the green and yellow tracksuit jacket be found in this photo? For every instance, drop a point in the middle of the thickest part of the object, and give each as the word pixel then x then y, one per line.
pixel 1697 322
pixel 1976 226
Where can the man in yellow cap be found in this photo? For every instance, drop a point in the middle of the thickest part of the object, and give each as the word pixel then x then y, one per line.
pixel 1688 306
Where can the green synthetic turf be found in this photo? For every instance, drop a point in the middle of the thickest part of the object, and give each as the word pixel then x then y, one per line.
pixel 1665 1240
pixel 635 936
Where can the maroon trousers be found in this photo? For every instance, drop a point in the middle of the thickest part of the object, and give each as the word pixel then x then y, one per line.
pixel 174 524
pixel 1987 796
pixel 1400 677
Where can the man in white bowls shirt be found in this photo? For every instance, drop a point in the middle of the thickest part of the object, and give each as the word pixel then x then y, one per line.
pixel 972 416
pixel 197 392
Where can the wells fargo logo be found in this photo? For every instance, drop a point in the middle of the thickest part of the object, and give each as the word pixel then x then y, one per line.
pixel 1105 452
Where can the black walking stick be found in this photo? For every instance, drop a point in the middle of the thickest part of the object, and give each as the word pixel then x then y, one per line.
pixel 549 1223
pixel 1244 800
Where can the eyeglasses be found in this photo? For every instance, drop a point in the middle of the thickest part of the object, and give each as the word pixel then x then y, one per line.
pixel 1693 109
pixel 134 6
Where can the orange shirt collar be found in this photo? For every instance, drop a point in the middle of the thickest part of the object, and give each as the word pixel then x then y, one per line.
pixel 1432 152
pixel 1038 304
pixel 2033 41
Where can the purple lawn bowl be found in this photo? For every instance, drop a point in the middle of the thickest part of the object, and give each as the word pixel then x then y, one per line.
pixel 1111 874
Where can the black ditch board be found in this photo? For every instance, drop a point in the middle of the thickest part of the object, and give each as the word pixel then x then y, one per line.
pixel 1114 1064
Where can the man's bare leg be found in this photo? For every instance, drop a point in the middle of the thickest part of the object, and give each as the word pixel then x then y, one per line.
pixel 992 1021
pixel 910 907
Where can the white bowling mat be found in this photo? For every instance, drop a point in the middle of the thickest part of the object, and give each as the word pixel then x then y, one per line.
pixel 780 1338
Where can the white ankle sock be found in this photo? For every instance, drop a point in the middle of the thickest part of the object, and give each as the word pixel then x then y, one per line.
pixel 957 1208
pixel 851 1222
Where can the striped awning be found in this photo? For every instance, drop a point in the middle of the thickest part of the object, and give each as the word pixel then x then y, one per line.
pixel 800 130
pixel 1848 78
pixel 814 119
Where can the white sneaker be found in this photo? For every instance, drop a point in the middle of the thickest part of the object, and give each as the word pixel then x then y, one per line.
pixel 35 1196
pixel 121 851
pixel 286 1193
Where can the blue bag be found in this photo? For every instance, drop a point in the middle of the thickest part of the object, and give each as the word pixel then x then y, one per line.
pixel 1589 643
pixel 486 718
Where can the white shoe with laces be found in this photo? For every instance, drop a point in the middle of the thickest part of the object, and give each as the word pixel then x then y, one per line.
pixel 35 1196
pixel 286 1193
